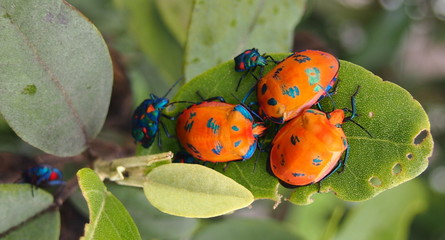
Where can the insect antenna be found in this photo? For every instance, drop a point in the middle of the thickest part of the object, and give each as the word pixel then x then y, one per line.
pixel 360 126
pixel 170 89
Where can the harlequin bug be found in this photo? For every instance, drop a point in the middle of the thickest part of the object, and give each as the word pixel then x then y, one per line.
pixel 42 176
pixel 296 83
pixel 218 131
pixel 248 60
pixel 146 119
pixel 308 148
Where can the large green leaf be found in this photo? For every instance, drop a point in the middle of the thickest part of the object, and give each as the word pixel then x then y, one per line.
pixel 387 111
pixel 191 190
pixel 55 75
pixel 158 44
pixel 108 217
pixel 388 216
pixel 26 214
pixel 393 155
pixel 176 16
pixel 220 30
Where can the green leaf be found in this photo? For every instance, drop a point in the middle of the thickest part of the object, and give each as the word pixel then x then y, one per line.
pixel 32 216
pixel 244 228
pixel 191 190
pixel 220 30
pixel 397 207
pixel 56 75
pixel 146 26
pixel 108 217
pixel 176 15
pixel 393 155
pixel 152 223
pixel 386 110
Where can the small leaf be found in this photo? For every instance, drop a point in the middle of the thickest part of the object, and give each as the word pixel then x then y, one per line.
pixel 397 152
pixel 55 64
pixel 19 206
pixel 234 26
pixel 108 217
pixel 191 190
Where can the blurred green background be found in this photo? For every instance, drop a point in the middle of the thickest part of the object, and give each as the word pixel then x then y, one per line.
pixel 402 41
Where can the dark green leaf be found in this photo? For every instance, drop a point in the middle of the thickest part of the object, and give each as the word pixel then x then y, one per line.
pixel 386 110
pixel 55 75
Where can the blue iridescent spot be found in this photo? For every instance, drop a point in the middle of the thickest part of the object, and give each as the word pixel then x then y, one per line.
pixel 313 75
pixel 212 124
pixel 298 174
pixel 316 161
pixel 272 101
pixel 188 126
pixel 217 149
pixel 292 92
pixel 237 143
pixel 235 128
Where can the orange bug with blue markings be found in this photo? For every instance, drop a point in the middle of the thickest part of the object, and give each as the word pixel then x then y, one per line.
pixel 308 148
pixel 296 83
pixel 218 131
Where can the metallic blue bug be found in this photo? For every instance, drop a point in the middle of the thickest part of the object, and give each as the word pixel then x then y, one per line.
pixel 43 176
pixel 248 60
pixel 145 123
pixel 146 119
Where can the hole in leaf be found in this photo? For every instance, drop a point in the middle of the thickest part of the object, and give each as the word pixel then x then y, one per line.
pixel 409 156
pixel 375 181
pixel 397 169
pixel 371 114
pixel 420 137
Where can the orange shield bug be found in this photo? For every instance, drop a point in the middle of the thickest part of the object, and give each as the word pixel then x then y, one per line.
pixel 308 148
pixel 218 131
pixel 296 83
